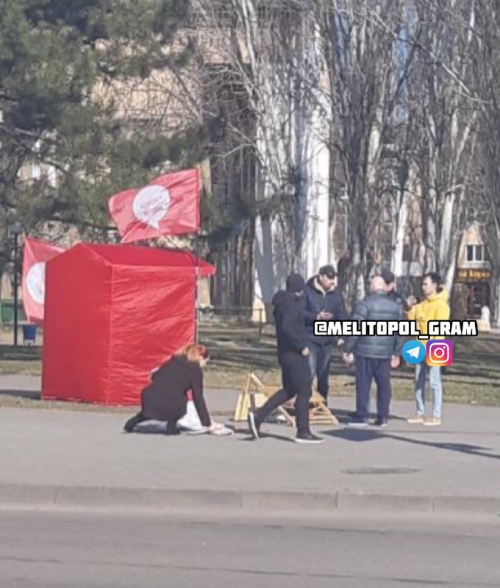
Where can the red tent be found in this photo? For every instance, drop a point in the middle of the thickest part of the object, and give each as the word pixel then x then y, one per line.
pixel 112 314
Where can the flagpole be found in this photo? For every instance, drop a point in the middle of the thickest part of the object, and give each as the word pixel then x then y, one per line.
pixel 197 306
pixel 197 254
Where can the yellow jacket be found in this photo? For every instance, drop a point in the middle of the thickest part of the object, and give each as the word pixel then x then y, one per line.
pixel 434 308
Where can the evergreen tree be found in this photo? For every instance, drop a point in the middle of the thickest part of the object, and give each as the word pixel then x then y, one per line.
pixel 58 58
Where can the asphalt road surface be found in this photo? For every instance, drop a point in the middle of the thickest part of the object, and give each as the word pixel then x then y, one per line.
pixel 93 550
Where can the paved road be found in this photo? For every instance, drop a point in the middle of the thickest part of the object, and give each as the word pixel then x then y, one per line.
pixel 69 550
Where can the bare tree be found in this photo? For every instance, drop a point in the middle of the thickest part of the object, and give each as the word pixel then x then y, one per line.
pixel 441 94
pixel 486 69
pixel 366 78
pixel 272 49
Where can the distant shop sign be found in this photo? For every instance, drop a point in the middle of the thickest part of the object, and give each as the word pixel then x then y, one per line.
pixel 474 275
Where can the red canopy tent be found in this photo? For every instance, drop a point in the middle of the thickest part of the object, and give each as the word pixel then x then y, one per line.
pixel 112 314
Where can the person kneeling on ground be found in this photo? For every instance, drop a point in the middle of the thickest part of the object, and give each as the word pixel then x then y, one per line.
pixel 292 356
pixel 165 399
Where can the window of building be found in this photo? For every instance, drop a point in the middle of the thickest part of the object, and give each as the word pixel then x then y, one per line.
pixel 475 253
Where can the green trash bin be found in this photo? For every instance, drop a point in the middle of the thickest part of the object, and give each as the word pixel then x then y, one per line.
pixel 7 312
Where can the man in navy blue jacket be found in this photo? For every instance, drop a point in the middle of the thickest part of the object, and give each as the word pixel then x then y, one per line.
pixel 322 300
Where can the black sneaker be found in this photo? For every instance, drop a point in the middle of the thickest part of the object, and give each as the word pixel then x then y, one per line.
pixel 308 437
pixel 357 422
pixel 379 422
pixel 253 425
pixel 130 425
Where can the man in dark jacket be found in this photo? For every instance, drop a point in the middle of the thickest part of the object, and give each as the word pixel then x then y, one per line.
pixel 322 301
pixel 292 356
pixel 375 355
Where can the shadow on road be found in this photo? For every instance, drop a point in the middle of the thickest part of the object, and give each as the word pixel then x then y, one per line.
pixel 366 435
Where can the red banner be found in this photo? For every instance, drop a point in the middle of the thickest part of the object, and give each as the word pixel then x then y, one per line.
pixel 36 255
pixel 169 205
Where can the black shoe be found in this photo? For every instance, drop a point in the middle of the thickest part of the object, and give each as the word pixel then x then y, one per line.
pixel 253 424
pixel 130 425
pixel 308 437
pixel 172 429
pixel 357 422
pixel 379 422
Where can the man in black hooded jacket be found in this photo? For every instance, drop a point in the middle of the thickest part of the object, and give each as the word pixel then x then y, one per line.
pixel 293 359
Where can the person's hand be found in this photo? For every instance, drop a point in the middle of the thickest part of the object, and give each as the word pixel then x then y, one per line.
pixel 348 358
pixel 305 352
pixel 395 362
pixel 411 301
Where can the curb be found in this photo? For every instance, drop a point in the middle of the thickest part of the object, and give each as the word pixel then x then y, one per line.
pixel 239 502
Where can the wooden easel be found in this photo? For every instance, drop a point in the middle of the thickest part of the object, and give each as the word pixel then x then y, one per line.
pixel 255 393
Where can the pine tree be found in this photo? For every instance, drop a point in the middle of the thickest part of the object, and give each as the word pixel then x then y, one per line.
pixel 57 60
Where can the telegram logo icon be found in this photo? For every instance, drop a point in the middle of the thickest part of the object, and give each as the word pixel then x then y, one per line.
pixel 413 352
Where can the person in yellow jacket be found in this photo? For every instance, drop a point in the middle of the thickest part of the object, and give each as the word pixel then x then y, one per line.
pixel 434 307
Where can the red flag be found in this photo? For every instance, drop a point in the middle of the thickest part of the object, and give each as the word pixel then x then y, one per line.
pixel 169 205
pixel 36 254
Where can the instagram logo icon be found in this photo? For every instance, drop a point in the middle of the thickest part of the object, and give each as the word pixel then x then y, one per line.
pixel 439 353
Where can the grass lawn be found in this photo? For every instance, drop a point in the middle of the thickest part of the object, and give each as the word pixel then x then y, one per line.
pixel 474 377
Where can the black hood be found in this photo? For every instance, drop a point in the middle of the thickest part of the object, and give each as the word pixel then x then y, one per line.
pixel 282 297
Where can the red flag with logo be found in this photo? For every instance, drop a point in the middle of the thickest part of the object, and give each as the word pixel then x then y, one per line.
pixel 169 205
pixel 36 255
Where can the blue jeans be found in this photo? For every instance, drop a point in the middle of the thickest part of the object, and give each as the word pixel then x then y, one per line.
pixel 319 363
pixel 422 369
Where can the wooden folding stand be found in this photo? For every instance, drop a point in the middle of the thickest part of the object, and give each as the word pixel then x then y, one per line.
pixel 255 393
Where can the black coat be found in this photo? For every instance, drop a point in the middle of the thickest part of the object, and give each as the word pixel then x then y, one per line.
pixel 289 320
pixel 165 399
pixel 316 300
pixel 378 306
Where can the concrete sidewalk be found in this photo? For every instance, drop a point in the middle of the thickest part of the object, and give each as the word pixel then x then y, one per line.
pixel 82 459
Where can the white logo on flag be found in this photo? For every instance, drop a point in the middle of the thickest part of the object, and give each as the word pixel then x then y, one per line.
pixel 151 205
pixel 36 282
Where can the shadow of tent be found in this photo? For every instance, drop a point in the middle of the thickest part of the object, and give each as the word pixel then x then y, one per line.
pixel 29 394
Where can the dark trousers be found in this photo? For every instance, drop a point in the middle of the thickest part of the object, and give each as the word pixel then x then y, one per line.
pixel 140 417
pixel 368 369
pixel 320 357
pixel 134 421
pixel 296 382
